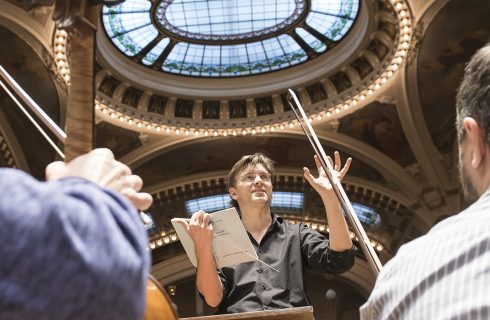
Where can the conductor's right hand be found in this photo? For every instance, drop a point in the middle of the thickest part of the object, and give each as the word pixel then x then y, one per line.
pixel 200 230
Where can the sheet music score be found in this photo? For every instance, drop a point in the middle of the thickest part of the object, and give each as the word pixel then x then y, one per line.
pixel 231 244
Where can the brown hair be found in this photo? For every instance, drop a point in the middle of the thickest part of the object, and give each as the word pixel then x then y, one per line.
pixel 245 162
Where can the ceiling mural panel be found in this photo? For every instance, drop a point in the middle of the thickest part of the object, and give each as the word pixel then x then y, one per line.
pixel 453 36
pixel 379 126
pixel 119 140
pixel 27 68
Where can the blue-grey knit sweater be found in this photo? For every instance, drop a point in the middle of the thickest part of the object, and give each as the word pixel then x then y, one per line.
pixel 69 250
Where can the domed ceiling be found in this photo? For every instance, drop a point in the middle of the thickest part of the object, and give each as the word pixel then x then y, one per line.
pixel 185 67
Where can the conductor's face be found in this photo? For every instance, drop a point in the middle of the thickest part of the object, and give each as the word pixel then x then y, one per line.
pixel 253 187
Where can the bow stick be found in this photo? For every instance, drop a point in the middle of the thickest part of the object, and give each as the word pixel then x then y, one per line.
pixel 354 222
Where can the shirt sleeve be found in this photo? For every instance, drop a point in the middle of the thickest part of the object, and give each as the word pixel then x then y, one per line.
pixel 69 249
pixel 318 256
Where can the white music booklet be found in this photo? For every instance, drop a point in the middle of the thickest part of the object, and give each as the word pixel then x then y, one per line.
pixel 231 244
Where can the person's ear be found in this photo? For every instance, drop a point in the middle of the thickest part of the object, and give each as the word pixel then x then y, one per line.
pixel 476 141
pixel 233 193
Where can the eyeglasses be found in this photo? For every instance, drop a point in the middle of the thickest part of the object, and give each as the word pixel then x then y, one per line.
pixel 250 177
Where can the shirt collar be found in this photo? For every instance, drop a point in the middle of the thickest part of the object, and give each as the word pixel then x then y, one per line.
pixel 276 221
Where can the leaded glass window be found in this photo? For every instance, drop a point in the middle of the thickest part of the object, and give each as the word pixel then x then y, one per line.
pixel 227 38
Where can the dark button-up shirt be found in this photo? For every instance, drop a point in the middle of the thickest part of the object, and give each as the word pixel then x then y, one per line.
pixel 289 248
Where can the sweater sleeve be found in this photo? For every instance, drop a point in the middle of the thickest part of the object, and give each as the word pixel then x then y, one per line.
pixel 69 250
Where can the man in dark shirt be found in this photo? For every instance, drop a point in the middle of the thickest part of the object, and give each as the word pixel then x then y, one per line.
pixel 287 247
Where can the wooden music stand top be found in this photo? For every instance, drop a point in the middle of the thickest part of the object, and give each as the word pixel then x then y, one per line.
pixel 300 313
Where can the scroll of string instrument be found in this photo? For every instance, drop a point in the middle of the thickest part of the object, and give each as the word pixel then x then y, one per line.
pixel 354 223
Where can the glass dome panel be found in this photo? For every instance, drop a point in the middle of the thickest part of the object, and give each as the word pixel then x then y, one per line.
pixel 154 53
pixel 332 18
pixel 226 38
pixel 129 25
pixel 226 19
pixel 313 42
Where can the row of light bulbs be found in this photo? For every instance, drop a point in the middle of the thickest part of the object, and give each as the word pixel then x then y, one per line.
pixel 138 123
pixel 323 228
pixel 60 54
pixel 163 239
pixel 170 236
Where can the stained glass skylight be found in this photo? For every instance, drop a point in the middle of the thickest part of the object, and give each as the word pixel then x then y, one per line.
pixel 227 38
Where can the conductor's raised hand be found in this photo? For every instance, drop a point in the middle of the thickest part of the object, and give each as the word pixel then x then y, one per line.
pixel 321 183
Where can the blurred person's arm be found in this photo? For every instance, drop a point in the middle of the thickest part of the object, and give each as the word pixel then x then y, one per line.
pixel 70 248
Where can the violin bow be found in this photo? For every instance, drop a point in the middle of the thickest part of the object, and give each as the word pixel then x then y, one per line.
pixel 354 222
